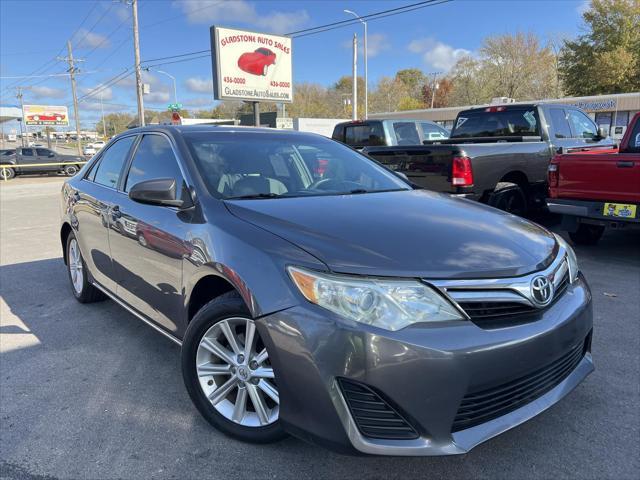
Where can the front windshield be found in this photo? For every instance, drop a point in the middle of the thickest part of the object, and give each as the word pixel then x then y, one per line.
pixel 255 165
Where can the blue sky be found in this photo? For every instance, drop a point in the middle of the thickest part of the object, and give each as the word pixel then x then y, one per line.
pixel 33 33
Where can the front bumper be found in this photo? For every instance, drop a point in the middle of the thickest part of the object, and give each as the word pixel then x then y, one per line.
pixel 423 370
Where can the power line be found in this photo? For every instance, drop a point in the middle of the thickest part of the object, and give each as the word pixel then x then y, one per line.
pixel 86 34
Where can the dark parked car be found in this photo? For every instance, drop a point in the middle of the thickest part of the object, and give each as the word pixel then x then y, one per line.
pixel 496 154
pixel 339 305
pixel 19 162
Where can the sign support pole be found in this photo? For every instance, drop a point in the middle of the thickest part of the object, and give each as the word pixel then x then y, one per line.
pixel 256 114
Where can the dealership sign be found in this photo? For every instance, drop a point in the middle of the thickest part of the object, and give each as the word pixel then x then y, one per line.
pixel 251 66
pixel 45 115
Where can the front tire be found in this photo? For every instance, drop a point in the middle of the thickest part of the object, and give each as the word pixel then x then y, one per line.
pixel 227 372
pixel 77 270
pixel 7 173
pixel 587 234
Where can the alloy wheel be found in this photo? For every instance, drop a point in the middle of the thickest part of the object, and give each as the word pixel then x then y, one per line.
pixel 75 266
pixel 236 375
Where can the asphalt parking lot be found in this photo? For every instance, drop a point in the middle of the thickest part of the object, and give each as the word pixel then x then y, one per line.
pixel 88 391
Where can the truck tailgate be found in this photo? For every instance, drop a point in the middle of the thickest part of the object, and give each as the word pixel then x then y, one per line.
pixel 608 177
pixel 426 166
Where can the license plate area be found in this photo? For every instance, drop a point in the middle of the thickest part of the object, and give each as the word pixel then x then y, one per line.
pixel 619 210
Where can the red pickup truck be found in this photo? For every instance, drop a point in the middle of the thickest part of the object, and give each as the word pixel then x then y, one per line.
pixel 595 189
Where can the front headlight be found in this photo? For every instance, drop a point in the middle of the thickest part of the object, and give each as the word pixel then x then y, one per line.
pixel 572 260
pixel 388 304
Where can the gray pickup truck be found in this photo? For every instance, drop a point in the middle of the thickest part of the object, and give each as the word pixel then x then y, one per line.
pixel 496 154
pixel 19 161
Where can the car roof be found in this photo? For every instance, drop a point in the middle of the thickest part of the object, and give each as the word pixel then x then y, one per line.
pixel 174 130
pixel 363 122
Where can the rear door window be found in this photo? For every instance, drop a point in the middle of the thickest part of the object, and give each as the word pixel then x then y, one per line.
pixel 368 134
pixel 634 139
pixel 406 133
pixel 560 123
pixel 108 170
pixel 581 125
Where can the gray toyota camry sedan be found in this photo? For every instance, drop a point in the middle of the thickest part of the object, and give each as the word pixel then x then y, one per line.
pixel 313 292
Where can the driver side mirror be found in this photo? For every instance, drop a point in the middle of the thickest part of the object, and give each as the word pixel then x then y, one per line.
pixel 161 192
pixel 51 154
pixel 602 133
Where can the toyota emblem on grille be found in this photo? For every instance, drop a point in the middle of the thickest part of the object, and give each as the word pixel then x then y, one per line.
pixel 541 290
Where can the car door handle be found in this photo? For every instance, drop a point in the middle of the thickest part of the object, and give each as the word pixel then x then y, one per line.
pixel 625 164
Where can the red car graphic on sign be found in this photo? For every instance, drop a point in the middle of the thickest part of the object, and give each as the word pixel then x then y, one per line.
pixel 46 117
pixel 257 62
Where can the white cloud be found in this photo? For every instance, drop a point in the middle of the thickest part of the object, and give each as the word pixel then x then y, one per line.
pixel 198 102
pixel 436 54
pixel 212 11
pixel 105 94
pixel 199 85
pixel 87 39
pixel 47 92
pixel 376 43
pixel 157 97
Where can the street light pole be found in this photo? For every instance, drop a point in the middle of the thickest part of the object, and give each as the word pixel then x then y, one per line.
pixel 175 90
pixel 366 62
pixel 104 126
pixel 354 110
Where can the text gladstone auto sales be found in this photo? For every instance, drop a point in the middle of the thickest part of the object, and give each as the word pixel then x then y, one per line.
pixel 251 66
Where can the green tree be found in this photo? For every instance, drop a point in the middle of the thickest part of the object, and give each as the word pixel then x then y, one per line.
pixel 606 59
pixel 115 123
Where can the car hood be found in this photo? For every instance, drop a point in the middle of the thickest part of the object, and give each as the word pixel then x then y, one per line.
pixel 407 234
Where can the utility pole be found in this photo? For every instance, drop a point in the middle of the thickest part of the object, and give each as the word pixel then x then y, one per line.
pixel 366 63
pixel 434 86
pixel 136 54
pixel 104 125
pixel 19 97
pixel 354 111
pixel 72 75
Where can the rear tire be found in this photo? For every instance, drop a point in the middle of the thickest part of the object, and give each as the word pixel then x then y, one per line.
pixel 70 170
pixel 77 270
pixel 7 173
pixel 509 197
pixel 225 310
pixel 587 234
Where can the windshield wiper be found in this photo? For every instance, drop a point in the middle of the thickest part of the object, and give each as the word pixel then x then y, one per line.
pixel 255 195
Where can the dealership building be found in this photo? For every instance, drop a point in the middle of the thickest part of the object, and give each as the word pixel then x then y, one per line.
pixel 613 112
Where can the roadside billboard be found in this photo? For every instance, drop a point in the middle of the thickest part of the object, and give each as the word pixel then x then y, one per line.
pixel 45 115
pixel 251 66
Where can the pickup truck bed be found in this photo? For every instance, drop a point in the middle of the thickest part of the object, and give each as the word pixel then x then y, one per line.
pixel 496 154
pixel 593 190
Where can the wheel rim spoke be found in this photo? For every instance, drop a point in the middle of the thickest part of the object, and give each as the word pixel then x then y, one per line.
pixel 213 369
pixel 223 391
pixel 262 356
pixel 218 350
pixel 270 390
pixel 249 338
pixel 258 404
pixel 263 372
pixel 240 408
pixel 231 337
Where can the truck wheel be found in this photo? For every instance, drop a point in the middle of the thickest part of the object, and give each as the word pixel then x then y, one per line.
pixel 587 234
pixel 7 173
pixel 509 197
pixel 70 170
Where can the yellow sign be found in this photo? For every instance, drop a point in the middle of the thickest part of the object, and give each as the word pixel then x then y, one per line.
pixel 619 210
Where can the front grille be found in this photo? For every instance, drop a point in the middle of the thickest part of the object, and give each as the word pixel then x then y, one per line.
pixel 506 313
pixel 481 406
pixel 373 416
